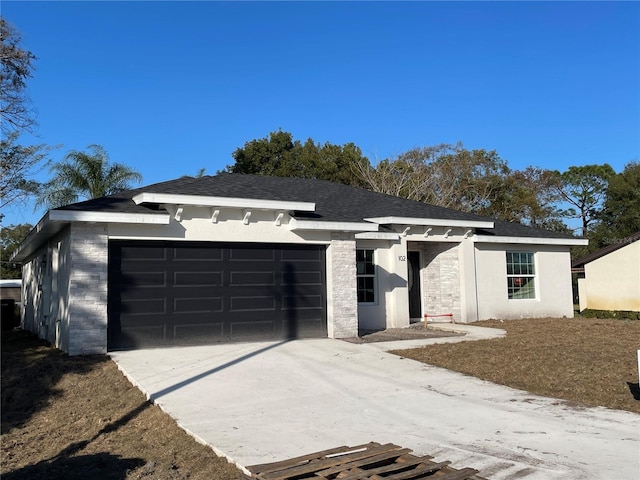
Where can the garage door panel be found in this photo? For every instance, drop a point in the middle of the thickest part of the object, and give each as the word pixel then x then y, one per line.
pixel 143 279
pixel 142 254
pixel 252 278
pixel 183 293
pixel 198 305
pixel 315 302
pixel 302 255
pixel 252 254
pixel 198 332
pixel 301 278
pixel 198 254
pixel 197 279
pixel 149 306
pixel 252 304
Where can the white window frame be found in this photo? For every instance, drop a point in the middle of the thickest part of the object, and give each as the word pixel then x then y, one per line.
pixel 367 275
pixel 530 273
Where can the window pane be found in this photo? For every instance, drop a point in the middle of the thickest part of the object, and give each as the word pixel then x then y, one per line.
pixel 521 287
pixel 520 275
pixel 366 289
pixel 366 270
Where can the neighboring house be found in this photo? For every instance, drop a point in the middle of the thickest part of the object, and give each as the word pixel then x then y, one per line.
pixel 10 289
pixel 611 277
pixel 241 257
pixel 10 294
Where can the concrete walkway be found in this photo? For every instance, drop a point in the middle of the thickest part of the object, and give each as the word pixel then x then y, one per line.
pixel 263 402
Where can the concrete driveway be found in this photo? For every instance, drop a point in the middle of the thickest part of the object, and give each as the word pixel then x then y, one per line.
pixel 263 402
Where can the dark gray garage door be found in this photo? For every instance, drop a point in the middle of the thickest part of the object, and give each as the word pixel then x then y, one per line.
pixel 189 293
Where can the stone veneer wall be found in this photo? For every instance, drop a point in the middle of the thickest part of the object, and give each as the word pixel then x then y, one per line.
pixel 343 284
pixel 88 289
pixel 441 279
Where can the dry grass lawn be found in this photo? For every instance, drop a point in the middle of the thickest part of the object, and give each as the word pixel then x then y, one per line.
pixel 79 418
pixel 588 361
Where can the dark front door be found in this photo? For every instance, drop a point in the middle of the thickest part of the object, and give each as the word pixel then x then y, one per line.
pixel 415 302
pixel 189 293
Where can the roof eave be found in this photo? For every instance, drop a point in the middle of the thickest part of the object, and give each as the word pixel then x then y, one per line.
pixel 430 222
pixel 333 226
pixel 55 220
pixel 213 201
pixel 572 242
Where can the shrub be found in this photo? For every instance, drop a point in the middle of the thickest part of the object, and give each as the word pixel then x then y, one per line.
pixel 618 314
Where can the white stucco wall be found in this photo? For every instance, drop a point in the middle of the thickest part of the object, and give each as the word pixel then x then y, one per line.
pixel 195 225
pixel 612 282
pixel 554 296
pixel 391 308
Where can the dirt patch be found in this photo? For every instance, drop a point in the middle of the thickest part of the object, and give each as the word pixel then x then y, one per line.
pixel 78 417
pixel 590 362
pixel 415 331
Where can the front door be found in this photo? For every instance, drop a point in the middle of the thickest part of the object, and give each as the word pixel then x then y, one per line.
pixel 415 302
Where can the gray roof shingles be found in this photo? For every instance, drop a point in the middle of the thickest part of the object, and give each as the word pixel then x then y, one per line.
pixel 334 202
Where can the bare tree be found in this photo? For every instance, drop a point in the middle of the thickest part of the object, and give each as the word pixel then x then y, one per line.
pixel 445 175
pixel 15 107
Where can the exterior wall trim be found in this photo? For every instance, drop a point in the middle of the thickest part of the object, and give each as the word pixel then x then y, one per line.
pixel 211 201
pixel 531 240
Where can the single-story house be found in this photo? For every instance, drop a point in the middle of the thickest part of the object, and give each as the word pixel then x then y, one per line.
pixel 238 257
pixel 611 277
pixel 11 289
pixel 10 295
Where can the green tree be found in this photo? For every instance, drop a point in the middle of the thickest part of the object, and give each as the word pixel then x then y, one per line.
pixel 530 197
pixel 17 166
pixel 264 156
pixel 85 175
pixel 15 68
pixel 584 189
pixel 620 215
pixel 10 238
pixel 280 155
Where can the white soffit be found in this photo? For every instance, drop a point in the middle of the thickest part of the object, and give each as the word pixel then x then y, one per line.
pixel 431 222
pixel 108 217
pixel 531 240
pixel 377 236
pixel 233 202
pixel 295 224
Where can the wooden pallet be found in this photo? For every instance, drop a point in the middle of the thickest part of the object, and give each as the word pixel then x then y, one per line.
pixel 371 461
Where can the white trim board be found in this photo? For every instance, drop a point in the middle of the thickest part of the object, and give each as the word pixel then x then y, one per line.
pixel 431 222
pixel 233 202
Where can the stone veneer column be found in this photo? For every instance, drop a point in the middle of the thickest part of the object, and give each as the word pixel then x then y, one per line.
pixel 441 279
pixel 88 289
pixel 342 291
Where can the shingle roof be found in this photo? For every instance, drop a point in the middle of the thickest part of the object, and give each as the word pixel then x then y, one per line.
pixel 334 202
pixel 622 242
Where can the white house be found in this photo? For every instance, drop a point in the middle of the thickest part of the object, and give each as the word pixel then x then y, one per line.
pixel 240 257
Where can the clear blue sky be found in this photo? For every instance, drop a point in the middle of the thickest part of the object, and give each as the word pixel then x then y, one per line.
pixel 172 87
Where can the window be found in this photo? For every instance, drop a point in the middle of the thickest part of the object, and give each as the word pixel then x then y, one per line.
pixel 366 272
pixel 521 276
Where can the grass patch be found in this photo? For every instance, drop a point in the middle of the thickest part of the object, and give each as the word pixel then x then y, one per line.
pixel 80 418
pixel 588 361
